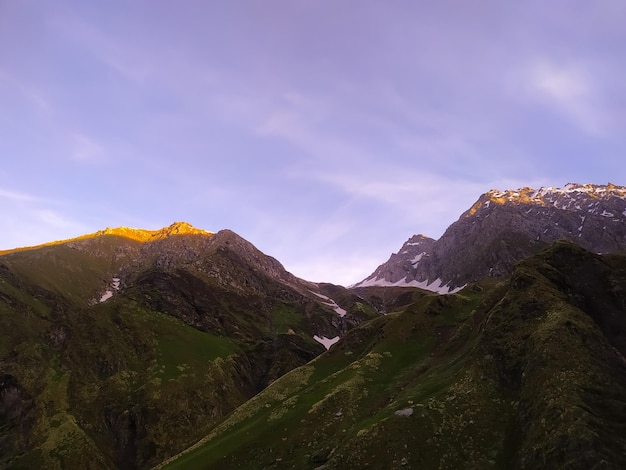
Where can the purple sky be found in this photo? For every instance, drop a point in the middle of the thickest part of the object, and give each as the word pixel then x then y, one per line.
pixel 324 132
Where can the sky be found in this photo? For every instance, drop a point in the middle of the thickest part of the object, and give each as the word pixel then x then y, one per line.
pixel 325 132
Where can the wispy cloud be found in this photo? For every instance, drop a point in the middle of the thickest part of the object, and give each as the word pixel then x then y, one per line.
pixel 33 96
pixel 17 196
pixel 85 149
pixel 570 89
pixel 86 35
pixel 580 90
pixel 30 219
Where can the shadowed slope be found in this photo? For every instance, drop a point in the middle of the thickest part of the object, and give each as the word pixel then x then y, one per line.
pixel 522 374
pixel 118 350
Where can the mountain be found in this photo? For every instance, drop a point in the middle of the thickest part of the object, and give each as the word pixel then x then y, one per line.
pixel 526 373
pixel 122 347
pixel 181 348
pixel 395 272
pixel 504 227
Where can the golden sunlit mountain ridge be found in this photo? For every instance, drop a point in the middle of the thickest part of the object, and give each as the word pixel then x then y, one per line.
pixel 140 235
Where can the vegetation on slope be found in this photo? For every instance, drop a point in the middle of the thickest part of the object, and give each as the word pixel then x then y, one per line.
pixel 528 373
pixel 194 331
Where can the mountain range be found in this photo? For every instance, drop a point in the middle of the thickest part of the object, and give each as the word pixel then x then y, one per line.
pixel 504 227
pixel 499 345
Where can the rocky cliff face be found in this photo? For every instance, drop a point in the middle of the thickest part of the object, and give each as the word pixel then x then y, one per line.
pixel 503 227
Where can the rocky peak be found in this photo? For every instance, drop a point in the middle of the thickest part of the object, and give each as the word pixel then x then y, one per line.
pixel 415 247
pixel 400 264
pixel 177 228
pixel 572 197
pixel 227 240
pixel 182 228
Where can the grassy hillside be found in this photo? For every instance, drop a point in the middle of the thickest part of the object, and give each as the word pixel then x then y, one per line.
pixel 528 373
pixel 126 383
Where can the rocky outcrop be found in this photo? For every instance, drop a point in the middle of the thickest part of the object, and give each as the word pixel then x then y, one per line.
pixel 16 417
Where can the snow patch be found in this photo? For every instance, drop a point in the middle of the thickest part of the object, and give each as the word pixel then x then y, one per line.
pixel 404 412
pixel 417 259
pixel 115 286
pixel 332 304
pixel 326 342
pixel 433 286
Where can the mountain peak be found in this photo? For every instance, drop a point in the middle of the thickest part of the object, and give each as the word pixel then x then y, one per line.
pixel 546 194
pixel 177 228
pixel 183 228
pixel 419 238
pixel 400 264
pixel 137 234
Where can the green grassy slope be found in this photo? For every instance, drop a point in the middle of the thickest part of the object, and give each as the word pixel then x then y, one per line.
pixel 81 271
pixel 90 381
pixel 128 382
pixel 528 373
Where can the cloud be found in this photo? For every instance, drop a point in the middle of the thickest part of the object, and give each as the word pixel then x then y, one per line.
pixel 16 196
pixel 377 187
pixel 85 149
pixel 578 90
pixel 391 184
pixel 54 220
pixel 33 96
pixel 123 58
pixel 30 219
pixel 560 83
pixel 572 90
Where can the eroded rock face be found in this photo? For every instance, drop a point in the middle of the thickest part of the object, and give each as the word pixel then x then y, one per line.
pixel 16 407
pixel 503 227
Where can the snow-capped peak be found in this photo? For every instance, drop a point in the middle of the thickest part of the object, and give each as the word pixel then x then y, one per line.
pixel 572 196
pixel 501 228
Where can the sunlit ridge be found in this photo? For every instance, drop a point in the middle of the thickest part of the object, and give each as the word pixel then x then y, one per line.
pixel 140 235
